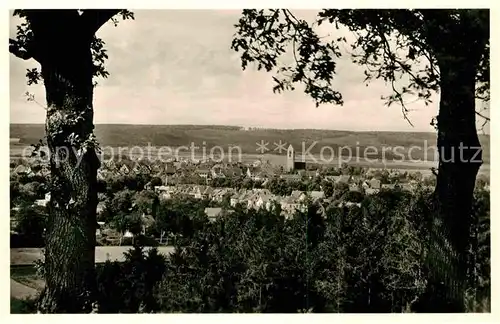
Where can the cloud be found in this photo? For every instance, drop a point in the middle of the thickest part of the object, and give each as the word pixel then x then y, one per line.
pixel 176 66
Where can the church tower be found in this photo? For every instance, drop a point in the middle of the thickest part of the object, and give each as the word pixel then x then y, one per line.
pixel 290 159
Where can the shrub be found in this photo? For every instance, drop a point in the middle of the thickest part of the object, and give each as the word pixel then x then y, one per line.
pixel 357 259
pixel 22 306
pixel 129 287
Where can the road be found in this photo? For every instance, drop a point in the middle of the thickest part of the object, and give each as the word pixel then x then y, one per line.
pixel 27 256
pixel 20 291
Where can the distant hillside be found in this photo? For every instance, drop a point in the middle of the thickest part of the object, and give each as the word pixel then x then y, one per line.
pixel 224 136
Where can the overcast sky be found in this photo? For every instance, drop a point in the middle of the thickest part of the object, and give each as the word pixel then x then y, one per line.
pixel 176 67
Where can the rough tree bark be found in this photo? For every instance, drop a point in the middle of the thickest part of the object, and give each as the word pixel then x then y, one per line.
pixel 70 236
pixel 61 40
pixel 460 157
pixel 67 69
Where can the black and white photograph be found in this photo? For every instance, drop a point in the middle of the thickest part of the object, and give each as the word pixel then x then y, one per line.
pixel 282 161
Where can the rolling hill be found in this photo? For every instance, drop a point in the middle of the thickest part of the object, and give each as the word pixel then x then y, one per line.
pixel 115 135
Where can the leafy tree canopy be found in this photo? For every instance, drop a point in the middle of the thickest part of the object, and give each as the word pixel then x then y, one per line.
pixel 392 45
pixel 37 26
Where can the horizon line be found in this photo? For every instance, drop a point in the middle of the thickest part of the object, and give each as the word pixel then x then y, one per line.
pixel 260 128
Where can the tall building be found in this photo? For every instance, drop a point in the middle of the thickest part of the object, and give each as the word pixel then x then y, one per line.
pixel 292 164
pixel 290 158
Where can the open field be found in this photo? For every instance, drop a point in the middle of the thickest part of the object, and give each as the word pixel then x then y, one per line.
pixel 20 292
pixel 175 136
pixel 27 276
pixel 25 283
pixel 27 256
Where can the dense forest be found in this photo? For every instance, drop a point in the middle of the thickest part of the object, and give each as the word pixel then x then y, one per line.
pixel 356 259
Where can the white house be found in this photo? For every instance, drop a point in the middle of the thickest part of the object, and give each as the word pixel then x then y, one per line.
pixel 371 191
pixel 342 178
pixel 43 202
pixel 354 187
pixel 291 177
pixel 264 201
pixel 316 195
pixel 298 195
pixel 374 183
pixel 22 169
pixel 289 206
pixel 349 204
pixel 406 187
pixel 213 212
pixel 128 234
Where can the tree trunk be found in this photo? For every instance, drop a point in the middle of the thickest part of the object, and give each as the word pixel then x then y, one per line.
pixel 161 237
pixel 67 70
pixel 460 158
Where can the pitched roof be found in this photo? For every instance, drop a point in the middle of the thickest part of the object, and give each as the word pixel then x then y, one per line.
pixel 371 191
pixel 111 164
pixel 124 168
pixel 349 204
pixel 101 174
pixel 208 190
pixel 344 178
pixel 317 194
pixel 262 191
pixel 163 188
pixel 406 186
pixel 257 163
pixel 21 169
pixel 289 200
pixel 296 194
pixel 245 195
pixel 266 197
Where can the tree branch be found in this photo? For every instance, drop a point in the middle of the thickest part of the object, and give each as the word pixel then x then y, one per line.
pixel 16 49
pixel 483 116
pixel 393 57
pixel 47 21
pixel 42 24
pixel 93 19
pixel 285 11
